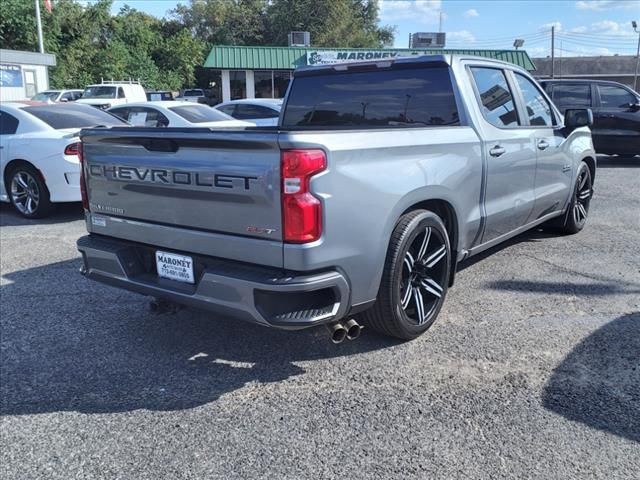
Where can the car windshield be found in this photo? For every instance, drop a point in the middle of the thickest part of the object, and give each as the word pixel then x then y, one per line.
pixel 46 96
pixel 193 93
pixel 72 116
pixel 100 92
pixel 200 114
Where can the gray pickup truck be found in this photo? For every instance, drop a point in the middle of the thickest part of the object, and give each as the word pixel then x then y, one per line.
pixel 379 179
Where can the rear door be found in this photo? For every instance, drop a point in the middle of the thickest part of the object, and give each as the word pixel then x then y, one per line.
pixel 221 182
pixel 553 165
pixel 616 126
pixel 511 164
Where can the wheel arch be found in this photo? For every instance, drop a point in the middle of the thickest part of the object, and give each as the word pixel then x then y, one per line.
pixel 591 163
pixel 14 163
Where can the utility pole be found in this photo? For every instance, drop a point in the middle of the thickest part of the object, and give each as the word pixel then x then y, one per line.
pixel 39 24
pixel 634 24
pixel 553 51
pixel 440 27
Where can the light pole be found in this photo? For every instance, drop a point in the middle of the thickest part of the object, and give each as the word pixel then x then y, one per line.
pixel 634 24
pixel 518 43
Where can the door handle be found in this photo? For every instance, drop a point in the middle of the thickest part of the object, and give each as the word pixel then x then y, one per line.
pixel 543 145
pixel 497 151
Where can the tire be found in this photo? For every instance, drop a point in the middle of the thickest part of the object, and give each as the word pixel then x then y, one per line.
pixel 415 278
pixel 578 211
pixel 27 191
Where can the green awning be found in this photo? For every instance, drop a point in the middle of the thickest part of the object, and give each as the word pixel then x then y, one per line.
pixel 287 58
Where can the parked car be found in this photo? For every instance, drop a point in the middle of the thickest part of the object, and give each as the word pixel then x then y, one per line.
pixel 56 96
pixel 159 95
pixel 380 178
pixel 39 153
pixel 264 112
pixel 107 94
pixel 174 114
pixel 616 111
pixel 195 95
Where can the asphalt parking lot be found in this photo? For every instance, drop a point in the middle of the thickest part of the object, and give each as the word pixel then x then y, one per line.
pixel 531 371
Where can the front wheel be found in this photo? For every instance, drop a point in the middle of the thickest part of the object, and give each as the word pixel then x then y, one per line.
pixel 576 216
pixel 415 278
pixel 28 192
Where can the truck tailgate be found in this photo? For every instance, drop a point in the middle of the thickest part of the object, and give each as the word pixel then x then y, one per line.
pixel 223 182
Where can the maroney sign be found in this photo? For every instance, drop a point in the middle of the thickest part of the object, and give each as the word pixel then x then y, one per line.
pixel 324 57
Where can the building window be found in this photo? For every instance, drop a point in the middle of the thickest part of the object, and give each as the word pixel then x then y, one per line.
pixel 280 83
pixel 263 83
pixel 238 84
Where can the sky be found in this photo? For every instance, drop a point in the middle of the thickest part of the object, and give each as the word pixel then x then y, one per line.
pixel 584 27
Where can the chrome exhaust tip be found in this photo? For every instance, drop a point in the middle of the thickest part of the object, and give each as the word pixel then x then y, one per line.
pixel 337 331
pixel 353 329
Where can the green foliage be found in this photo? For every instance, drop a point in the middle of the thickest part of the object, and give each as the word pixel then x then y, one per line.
pixel 90 43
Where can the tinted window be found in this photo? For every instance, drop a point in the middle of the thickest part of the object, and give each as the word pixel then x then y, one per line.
pixel 410 97
pixel 193 93
pixel 495 96
pixel 200 114
pixel 611 96
pixel 99 92
pixel 122 113
pixel 228 109
pixel 245 111
pixel 146 117
pixel 576 95
pixel 538 108
pixel 46 96
pixel 8 124
pixel 72 116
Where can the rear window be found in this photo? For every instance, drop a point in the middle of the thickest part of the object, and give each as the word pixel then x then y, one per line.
pixel 193 93
pixel 73 116
pixel 200 114
pixel 408 97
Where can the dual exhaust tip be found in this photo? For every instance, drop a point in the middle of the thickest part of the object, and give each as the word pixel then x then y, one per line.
pixel 341 331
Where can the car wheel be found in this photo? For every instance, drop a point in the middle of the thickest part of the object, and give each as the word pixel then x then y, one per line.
pixel 28 192
pixel 576 216
pixel 415 278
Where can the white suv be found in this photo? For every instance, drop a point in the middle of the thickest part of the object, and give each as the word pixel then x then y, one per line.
pixel 108 94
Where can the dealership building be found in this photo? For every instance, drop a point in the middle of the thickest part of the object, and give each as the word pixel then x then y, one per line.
pixel 232 72
pixel 23 74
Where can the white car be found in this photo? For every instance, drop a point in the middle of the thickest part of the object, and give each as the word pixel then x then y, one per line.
pixel 39 159
pixel 264 112
pixel 55 96
pixel 175 114
pixel 108 94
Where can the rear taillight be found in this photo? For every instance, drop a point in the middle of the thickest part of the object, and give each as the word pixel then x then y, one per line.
pixel 83 181
pixel 72 149
pixel 301 211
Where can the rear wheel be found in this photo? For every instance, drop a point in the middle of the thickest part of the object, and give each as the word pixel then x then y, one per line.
pixel 28 192
pixel 415 278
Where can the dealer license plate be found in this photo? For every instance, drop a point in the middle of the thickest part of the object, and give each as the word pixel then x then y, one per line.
pixel 175 267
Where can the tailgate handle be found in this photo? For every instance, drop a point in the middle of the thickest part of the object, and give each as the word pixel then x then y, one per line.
pixel 160 145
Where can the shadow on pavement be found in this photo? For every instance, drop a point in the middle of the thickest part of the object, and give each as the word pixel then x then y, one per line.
pixel 62 212
pixel 69 344
pixel 598 383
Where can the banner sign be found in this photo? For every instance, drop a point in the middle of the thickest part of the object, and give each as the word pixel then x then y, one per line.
pixel 327 57
pixel 10 75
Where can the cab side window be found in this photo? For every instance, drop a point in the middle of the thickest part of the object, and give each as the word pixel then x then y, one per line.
pixel 495 97
pixel 8 124
pixel 538 109
pixel 615 97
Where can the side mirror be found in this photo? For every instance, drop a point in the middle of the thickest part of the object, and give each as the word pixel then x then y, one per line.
pixel 634 107
pixel 64 100
pixel 578 117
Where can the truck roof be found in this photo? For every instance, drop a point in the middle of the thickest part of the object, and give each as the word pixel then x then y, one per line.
pixel 444 59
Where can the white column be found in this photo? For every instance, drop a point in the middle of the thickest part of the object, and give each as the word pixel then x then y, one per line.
pixel 251 84
pixel 226 86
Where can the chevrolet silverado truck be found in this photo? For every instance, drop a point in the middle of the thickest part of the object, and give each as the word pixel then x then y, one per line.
pixel 379 178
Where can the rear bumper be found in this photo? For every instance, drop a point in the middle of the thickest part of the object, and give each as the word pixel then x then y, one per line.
pixel 262 295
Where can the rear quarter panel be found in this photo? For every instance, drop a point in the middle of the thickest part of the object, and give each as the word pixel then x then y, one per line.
pixel 372 178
